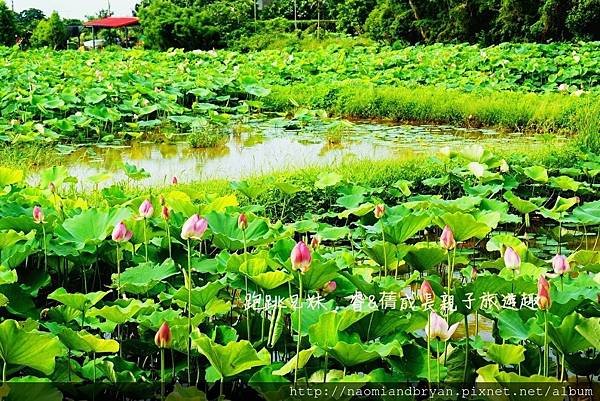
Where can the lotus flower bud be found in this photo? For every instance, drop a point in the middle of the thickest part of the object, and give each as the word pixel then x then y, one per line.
pixel 38 215
pixel 146 209
pixel 165 212
pixel 242 222
pixel 163 337
pixel 512 260
pixel 121 233
pixel 301 257
pixel 560 264
pixel 194 228
pixel 52 188
pixel 426 293
pixel 543 296
pixel 161 200
pixel 174 180
pixel 329 287
pixel 315 241
pixel 474 273
pixel 447 238
pixel 379 211
pixel 504 166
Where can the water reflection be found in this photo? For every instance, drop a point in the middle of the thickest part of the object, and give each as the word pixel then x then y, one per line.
pixel 268 147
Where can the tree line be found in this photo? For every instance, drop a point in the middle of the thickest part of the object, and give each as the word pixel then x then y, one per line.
pixel 207 24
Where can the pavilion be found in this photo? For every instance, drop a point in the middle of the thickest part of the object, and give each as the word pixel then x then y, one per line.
pixel 111 23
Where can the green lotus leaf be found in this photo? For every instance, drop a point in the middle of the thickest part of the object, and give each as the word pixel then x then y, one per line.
pixel 325 333
pixel 31 388
pixel 320 273
pixel 464 226
pixel 328 180
pixel 512 327
pixel 398 230
pixel 330 233
pixel 310 315
pixel 505 354
pixel 231 359
pixel 56 175
pixel 491 374
pixel 588 213
pixel 589 328
pixel 566 337
pixel 181 393
pixel 227 235
pixel 77 300
pixel 357 353
pixel 565 183
pixel 34 349
pixel 393 253
pixel 90 227
pixel 522 205
pixel 82 340
pixel 9 176
pixel 200 296
pixel 123 311
pixel 290 366
pixel 536 173
pixel 425 256
pixel 142 278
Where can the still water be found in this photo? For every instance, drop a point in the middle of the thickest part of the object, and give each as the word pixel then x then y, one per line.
pixel 268 147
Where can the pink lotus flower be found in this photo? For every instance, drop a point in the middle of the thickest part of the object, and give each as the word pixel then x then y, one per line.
pixel 512 260
pixel 174 180
pixel 301 257
pixel 560 264
pixel 163 337
pixel 121 233
pixel 379 211
pixel 242 222
pixel 38 215
pixel 194 228
pixel 426 293
pixel 165 212
pixel 329 287
pixel 542 282
pixel 447 238
pixel 543 296
pixel 146 209
pixel 438 328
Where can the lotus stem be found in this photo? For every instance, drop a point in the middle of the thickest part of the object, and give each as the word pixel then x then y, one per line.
pixel 145 241
pixel 384 252
pixel 429 349
pixel 162 373
pixel 299 328
pixel 45 248
pixel 562 366
pixel 3 370
pixel 169 239
pixel 189 310
pixel 118 272
pixel 325 372
pixel 546 343
pixel 246 286
pixel 437 350
pixel 466 349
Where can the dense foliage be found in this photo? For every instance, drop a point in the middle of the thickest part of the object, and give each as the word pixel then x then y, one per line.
pixel 245 302
pixel 112 95
pixel 197 24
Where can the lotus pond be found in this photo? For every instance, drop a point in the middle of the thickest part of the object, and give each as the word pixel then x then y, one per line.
pixel 270 146
pixel 490 273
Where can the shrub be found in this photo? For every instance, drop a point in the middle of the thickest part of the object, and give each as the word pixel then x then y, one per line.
pixel 209 136
pixel 50 33
pixel 584 19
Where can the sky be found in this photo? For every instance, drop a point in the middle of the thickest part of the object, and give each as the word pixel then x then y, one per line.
pixel 75 8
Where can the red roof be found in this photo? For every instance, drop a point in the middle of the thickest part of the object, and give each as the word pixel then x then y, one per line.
pixel 113 22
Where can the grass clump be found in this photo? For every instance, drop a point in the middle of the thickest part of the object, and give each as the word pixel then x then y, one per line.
pixel 208 136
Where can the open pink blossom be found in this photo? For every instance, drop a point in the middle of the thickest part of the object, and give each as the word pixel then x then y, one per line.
pixel 121 233
pixel 38 215
pixel 560 264
pixel 438 328
pixel 301 257
pixel 146 209
pixel 194 228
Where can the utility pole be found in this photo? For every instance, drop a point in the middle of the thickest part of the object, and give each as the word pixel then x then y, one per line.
pixel 13 5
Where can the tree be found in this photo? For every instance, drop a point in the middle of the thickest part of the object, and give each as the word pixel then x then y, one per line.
pixel 8 29
pixel 27 20
pixel 51 33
